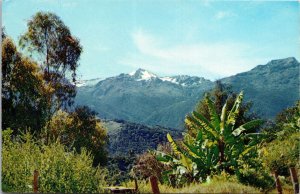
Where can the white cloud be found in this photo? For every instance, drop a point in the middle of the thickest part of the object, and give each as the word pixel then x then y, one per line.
pixel 212 61
pixel 224 14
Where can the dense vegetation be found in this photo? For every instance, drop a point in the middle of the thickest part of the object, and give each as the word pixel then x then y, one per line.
pixel 223 148
pixel 42 130
pixel 141 137
pixel 60 170
pixel 215 144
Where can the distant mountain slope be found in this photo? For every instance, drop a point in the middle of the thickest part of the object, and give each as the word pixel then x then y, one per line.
pixel 126 136
pixel 143 97
pixel 272 87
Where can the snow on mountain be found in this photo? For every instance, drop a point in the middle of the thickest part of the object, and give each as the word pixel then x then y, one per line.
pixel 183 80
pixel 90 82
pixel 142 74
pixel 169 79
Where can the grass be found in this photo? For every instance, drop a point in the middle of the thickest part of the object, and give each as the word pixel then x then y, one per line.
pixel 216 185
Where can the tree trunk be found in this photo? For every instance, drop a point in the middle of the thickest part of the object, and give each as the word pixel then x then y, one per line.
pixel 136 185
pixel 154 185
pixel 277 181
pixel 35 181
pixel 294 178
pixel 221 146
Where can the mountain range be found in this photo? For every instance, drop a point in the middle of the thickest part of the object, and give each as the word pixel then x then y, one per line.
pixel 143 97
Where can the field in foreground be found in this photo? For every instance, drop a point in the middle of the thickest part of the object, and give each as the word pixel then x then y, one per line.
pixel 213 186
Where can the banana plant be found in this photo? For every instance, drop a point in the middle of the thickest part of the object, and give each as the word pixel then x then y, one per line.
pixel 218 143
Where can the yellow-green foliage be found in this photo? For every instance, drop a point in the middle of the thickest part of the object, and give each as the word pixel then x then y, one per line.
pixel 216 185
pixel 59 171
pixel 282 153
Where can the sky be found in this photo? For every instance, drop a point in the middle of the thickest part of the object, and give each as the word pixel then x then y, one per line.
pixel 211 39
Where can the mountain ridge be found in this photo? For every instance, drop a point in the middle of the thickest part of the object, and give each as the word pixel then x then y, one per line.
pixel 146 98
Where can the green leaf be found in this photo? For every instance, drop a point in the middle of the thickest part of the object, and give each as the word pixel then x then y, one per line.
pixel 173 144
pixel 201 124
pixel 202 118
pixel 247 126
pixel 199 136
pixel 163 158
pixel 213 113
pixel 192 150
pixel 187 163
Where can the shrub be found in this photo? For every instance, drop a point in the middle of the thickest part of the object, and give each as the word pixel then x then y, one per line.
pixel 59 171
pixel 252 172
pixel 147 165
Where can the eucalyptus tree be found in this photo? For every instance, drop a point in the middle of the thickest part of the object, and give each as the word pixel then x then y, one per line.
pixel 49 41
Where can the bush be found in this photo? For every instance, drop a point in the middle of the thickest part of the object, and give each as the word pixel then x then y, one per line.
pixel 147 165
pixel 255 178
pixel 252 172
pixel 59 171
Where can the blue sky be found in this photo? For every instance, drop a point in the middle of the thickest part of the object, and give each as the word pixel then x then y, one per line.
pixel 212 39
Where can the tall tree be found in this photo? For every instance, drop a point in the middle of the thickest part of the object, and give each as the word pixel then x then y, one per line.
pixel 50 42
pixel 88 132
pixel 23 90
pixel 79 129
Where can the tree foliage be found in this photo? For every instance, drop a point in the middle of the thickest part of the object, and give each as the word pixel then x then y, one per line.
pixel 23 91
pixel 283 151
pixel 79 129
pixel 50 42
pixel 35 87
pixel 147 165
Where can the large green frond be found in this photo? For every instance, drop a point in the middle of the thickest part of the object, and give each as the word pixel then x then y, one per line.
pixel 202 125
pixel 202 118
pixel 213 113
pixel 175 147
pixel 192 150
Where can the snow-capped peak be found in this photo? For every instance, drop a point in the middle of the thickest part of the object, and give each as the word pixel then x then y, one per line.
pixel 183 80
pixel 142 74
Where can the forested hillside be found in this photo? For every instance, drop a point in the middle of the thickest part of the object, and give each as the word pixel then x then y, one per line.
pixel 134 138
